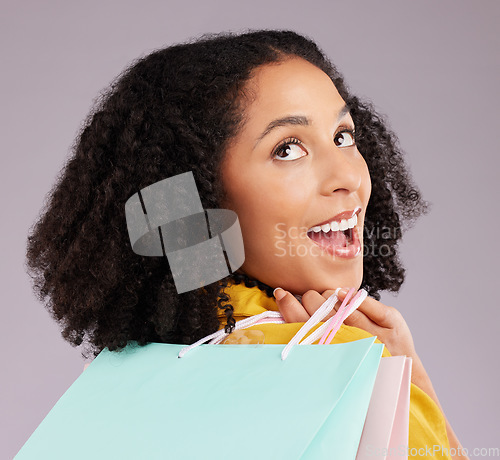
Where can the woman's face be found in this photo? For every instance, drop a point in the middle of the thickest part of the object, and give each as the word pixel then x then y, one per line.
pixel 282 178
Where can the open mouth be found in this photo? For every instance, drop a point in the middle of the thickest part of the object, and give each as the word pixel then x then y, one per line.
pixel 338 238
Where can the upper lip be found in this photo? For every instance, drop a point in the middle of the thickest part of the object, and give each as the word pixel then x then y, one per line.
pixel 341 215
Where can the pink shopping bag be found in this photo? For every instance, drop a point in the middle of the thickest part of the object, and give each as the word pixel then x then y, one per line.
pixel 386 428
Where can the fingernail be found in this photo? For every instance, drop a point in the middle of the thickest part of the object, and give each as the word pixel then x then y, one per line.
pixel 280 294
pixel 344 291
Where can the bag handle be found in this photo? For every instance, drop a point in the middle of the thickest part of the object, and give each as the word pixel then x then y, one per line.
pixel 267 316
pixel 326 331
pixel 318 333
pixel 325 308
pixel 346 309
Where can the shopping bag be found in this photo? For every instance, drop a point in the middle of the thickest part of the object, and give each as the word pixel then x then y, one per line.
pixel 238 401
pixel 218 401
pixel 386 429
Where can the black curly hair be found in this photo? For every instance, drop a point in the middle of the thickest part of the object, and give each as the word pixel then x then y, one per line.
pixel 173 111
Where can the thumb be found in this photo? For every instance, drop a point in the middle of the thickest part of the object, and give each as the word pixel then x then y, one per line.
pixel 290 308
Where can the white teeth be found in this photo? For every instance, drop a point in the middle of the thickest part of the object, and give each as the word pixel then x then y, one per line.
pixel 335 226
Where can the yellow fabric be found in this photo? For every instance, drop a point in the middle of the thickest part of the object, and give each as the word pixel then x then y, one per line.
pixel 427 423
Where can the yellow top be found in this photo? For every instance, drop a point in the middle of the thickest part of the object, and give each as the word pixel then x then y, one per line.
pixel 427 437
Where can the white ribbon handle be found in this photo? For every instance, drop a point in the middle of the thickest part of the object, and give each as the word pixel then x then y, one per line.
pixel 267 316
pixel 325 308
pixel 276 318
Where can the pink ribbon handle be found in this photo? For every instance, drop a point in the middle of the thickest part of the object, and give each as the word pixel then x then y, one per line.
pixel 347 307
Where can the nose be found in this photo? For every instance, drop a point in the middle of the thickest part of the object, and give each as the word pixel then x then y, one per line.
pixel 339 169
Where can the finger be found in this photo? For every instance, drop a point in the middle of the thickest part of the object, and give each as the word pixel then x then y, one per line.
pixel 339 302
pixel 290 308
pixel 361 321
pixel 326 294
pixel 376 311
pixel 312 300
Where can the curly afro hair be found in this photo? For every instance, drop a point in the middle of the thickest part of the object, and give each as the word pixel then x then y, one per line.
pixel 173 111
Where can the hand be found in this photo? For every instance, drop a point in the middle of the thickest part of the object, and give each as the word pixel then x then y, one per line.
pixel 378 319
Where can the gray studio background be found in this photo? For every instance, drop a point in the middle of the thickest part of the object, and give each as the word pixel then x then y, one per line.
pixel 431 66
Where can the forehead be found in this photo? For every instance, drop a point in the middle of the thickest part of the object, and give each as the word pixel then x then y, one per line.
pixel 291 86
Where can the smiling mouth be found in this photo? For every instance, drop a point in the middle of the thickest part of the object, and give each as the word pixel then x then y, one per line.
pixel 340 238
pixel 339 243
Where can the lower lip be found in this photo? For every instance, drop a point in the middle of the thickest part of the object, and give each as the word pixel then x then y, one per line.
pixel 352 249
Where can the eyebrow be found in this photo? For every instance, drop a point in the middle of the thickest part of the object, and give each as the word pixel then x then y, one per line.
pixel 294 120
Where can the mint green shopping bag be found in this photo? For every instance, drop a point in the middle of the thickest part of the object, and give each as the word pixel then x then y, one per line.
pixel 218 401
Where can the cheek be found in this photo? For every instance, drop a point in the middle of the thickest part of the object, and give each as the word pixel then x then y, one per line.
pixel 368 186
pixel 366 183
pixel 250 190
pixel 261 213
pixel 244 196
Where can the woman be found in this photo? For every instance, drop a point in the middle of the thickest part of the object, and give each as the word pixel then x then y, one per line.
pixel 270 130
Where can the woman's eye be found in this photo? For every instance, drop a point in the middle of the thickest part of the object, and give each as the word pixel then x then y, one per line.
pixel 289 151
pixel 344 139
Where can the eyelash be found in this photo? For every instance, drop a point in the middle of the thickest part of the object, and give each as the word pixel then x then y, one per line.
pixel 294 140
